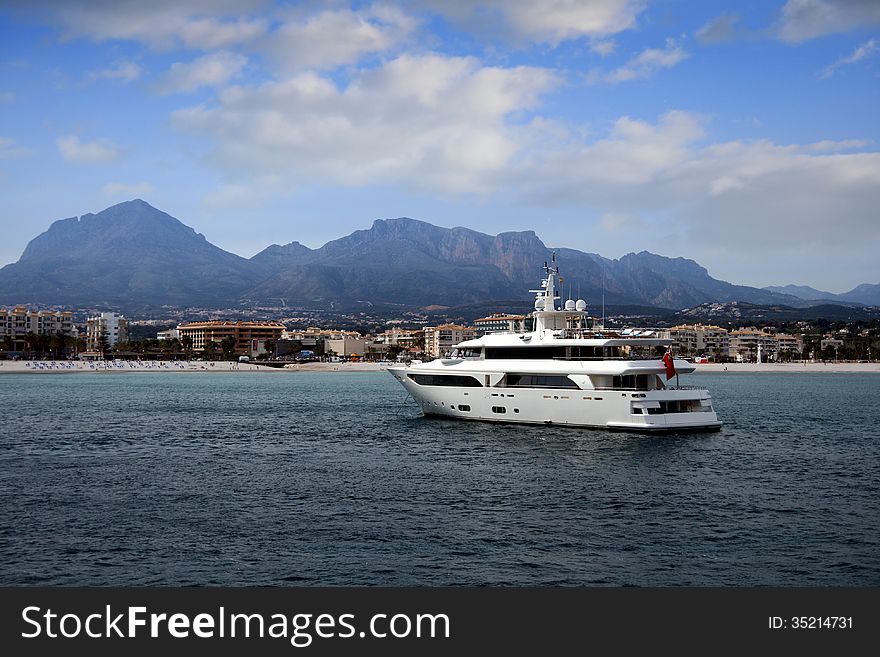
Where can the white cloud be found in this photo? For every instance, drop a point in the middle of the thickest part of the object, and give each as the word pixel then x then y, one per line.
pixel 127 190
pixel 336 37
pixel 801 20
pixel 621 222
pixel 774 197
pixel 617 171
pixel 830 146
pixel 645 64
pixel 89 152
pixel 211 70
pixel 787 198
pixel 9 150
pixel 725 184
pixel 123 70
pixel 324 35
pixel 603 48
pixel 210 33
pixel 543 21
pixel 431 122
pixel 251 194
pixel 452 126
pixel 200 24
pixel 867 49
pixel 721 29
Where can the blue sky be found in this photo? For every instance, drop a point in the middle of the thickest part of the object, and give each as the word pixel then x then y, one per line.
pixel 743 135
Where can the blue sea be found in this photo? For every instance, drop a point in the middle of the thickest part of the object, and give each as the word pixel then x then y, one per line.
pixel 311 478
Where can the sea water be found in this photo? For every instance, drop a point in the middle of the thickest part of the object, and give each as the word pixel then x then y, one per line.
pixel 310 478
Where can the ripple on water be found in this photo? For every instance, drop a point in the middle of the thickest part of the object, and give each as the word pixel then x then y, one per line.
pixel 334 479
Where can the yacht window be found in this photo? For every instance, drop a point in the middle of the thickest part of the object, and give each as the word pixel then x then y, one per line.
pixel 677 406
pixel 528 353
pixel 464 407
pixel 539 381
pixel 456 380
pixel 499 409
pixel 582 353
pixel 630 382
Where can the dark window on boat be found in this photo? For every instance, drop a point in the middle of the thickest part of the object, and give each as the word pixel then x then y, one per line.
pixel 464 407
pixel 637 411
pixel 593 352
pixel 678 406
pixel 529 353
pixel 499 409
pixel 630 382
pixel 456 380
pixel 539 381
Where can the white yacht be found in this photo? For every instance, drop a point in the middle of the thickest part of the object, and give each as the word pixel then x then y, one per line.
pixel 567 370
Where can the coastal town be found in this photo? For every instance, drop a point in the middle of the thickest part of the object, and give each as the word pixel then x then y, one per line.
pixel 28 334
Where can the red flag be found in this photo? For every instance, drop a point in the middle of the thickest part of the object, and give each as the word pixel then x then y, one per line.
pixel 670 364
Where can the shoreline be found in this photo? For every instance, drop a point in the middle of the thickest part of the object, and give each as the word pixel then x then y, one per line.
pixel 119 367
pixel 122 367
pixel 789 368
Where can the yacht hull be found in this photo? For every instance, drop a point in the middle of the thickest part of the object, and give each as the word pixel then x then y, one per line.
pixel 598 409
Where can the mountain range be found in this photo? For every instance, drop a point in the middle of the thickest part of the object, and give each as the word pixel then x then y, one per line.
pixel 132 255
pixel 865 293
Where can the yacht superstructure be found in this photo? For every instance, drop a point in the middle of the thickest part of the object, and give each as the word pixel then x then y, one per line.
pixel 567 370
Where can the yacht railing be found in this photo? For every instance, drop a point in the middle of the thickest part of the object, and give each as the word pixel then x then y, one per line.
pixel 607 358
pixel 651 389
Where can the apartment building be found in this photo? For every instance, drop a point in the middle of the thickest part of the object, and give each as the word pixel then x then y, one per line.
pixel 111 325
pixel 401 338
pixel 791 344
pixel 498 322
pixel 250 337
pixel 695 339
pixel 16 323
pixel 439 340
pixel 746 345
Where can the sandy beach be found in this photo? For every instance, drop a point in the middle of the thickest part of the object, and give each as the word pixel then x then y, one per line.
pixel 775 368
pixel 37 367
pixel 62 366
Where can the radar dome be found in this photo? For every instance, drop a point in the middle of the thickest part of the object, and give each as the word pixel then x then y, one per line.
pixel 581 305
pixel 539 303
pixel 569 305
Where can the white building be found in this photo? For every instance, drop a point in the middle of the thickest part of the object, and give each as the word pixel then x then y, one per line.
pixel 15 324
pixel 747 344
pixel 345 346
pixel 400 338
pixel 498 322
pixel 790 344
pixel 170 334
pixel 440 340
pixel 697 339
pixel 114 326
